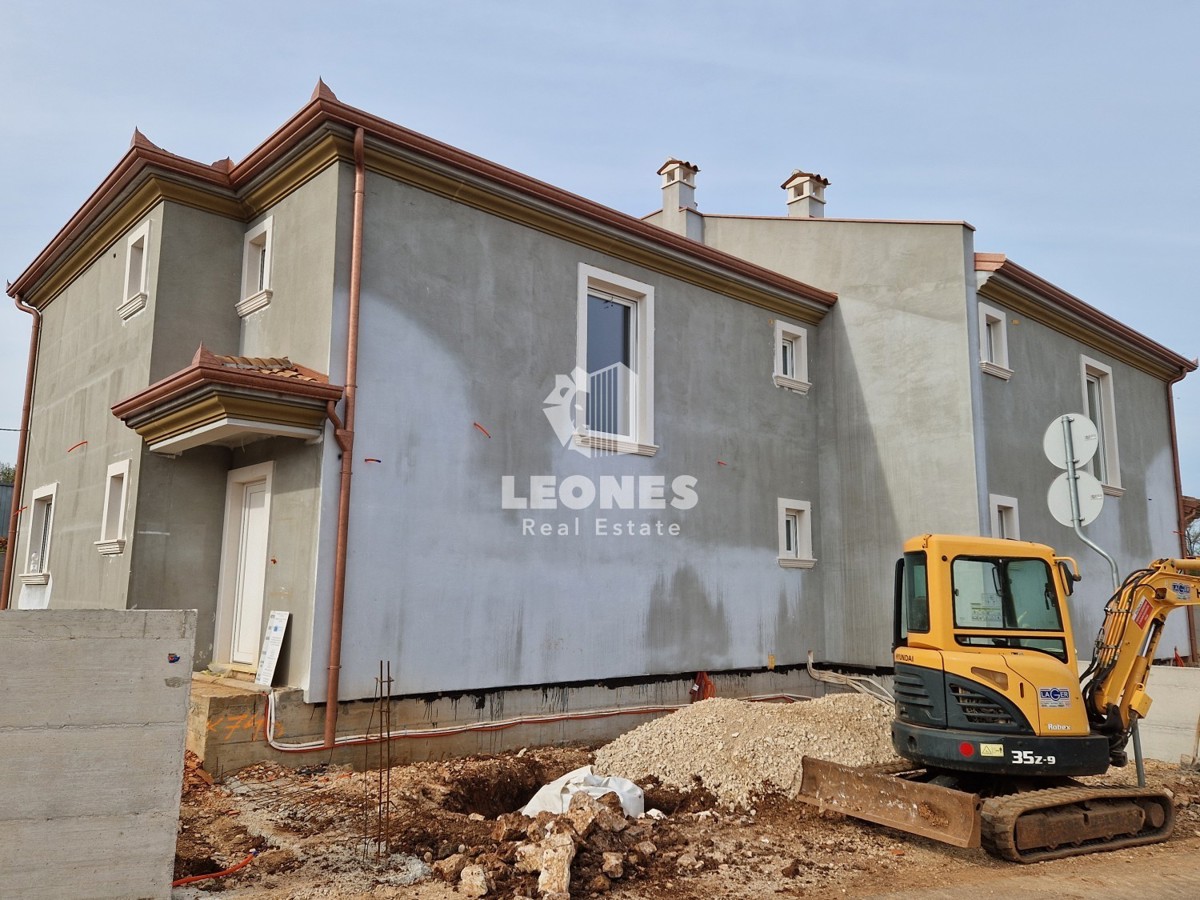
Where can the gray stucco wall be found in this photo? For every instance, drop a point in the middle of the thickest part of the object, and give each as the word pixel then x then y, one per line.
pixel 1135 528
pixel 88 358
pixel 896 419
pixel 467 319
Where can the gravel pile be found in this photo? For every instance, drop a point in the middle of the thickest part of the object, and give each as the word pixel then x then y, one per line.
pixel 738 749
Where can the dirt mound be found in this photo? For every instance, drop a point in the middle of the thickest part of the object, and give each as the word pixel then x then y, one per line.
pixel 739 750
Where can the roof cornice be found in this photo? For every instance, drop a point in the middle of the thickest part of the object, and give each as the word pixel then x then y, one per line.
pixel 1031 295
pixel 318 136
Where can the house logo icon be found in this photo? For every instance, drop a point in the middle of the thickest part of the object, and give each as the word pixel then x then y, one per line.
pixel 599 404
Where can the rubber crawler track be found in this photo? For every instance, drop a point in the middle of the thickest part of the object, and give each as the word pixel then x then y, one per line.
pixel 1000 816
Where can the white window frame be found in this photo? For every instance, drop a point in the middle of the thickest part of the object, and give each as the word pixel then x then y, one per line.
pixel 257 253
pixel 1092 370
pixel 136 291
pixel 797 553
pixel 993 342
pixel 41 527
pixel 797 379
pixel 112 522
pixel 641 297
pixel 1006 520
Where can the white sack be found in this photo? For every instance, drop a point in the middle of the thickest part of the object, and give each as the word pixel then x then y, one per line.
pixel 555 797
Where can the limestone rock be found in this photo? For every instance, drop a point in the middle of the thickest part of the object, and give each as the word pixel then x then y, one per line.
pixel 613 865
pixel 474 882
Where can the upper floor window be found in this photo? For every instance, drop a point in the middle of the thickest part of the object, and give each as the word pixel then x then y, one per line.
pixel 256 268
pixel 791 357
pixel 41 527
pixel 135 292
pixel 1099 405
pixel 615 352
pixel 993 342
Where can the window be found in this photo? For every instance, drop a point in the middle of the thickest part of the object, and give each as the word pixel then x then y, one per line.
pixel 795 534
pixel 791 357
pixel 41 525
pixel 1004 517
pixel 1098 404
pixel 135 293
pixel 1006 594
pixel 993 342
pixel 112 525
pixel 615 354
pixel 256 268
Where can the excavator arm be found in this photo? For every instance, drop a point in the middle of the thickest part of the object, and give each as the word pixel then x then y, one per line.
pixel 1114 686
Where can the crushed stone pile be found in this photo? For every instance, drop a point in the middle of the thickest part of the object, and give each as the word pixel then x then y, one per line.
pixel 739 750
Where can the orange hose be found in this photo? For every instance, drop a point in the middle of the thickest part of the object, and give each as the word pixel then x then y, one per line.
pixel 222 873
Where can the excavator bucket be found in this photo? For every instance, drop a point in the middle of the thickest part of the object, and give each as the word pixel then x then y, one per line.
pixel 888 797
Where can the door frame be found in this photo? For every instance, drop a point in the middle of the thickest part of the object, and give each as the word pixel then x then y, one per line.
pixel 235 490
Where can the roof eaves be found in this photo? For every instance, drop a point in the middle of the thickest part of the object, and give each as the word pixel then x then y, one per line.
pixel 999 265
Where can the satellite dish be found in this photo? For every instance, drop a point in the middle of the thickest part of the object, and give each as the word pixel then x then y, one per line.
pixel 1091 498
pixel 1085 440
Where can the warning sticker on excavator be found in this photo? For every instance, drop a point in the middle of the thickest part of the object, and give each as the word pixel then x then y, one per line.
pixel 991 750
pixel 1054 697
pixel 1142 616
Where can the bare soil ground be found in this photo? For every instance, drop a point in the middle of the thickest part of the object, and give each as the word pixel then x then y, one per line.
pixel 318 830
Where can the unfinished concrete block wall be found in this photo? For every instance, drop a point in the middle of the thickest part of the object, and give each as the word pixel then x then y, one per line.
pixel 92 725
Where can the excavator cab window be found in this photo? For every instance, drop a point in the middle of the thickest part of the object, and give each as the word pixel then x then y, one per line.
pixel 912 597
pixel 995 595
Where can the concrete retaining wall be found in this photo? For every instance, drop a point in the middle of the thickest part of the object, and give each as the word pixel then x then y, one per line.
pixel 92 721
pixel 1169 731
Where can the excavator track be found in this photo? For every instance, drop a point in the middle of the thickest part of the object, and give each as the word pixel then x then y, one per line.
pixel 1031 826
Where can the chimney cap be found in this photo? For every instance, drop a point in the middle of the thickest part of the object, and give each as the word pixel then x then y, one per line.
pixel 799 175
pixel 673 163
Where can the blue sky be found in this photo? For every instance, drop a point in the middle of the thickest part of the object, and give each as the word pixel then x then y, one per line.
pixel 1065 132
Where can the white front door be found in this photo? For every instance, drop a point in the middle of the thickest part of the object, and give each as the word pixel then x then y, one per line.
pixel 251 574
pixel 244 565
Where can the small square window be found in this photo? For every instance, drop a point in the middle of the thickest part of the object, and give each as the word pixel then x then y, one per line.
pixel 1005 522
pixel 795 534
pixel 112 523
pixel 256 268
pixel 993 342
pixel 791 357
pixel 1099 404
pixel 135 293
pixel 615 354
pixel 41 527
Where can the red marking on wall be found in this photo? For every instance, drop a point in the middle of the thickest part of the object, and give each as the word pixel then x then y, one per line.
pixel 372 459
pixel 481 428
pixel 77 446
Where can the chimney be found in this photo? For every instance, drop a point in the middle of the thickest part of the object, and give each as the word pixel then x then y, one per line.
pixel 679 199
pixel 805 195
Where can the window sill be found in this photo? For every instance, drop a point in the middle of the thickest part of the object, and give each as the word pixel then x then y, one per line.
pixel 790 562
pixel 614 445
pixel 793 384
pixel 999 371
pixel 34 578
pixel 111 548
pixel 132 306
pixel 1112 490
pixel 254 303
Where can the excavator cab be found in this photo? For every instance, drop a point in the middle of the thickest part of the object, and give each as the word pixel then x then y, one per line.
pixel 986 675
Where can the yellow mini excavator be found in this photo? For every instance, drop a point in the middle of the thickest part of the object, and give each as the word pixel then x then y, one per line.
pixel 992 715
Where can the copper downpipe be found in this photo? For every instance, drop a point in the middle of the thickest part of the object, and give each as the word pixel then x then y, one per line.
pixel 344 433
pixel 10 552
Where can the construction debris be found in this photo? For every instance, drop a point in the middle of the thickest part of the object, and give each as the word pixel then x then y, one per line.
pixel 739 750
